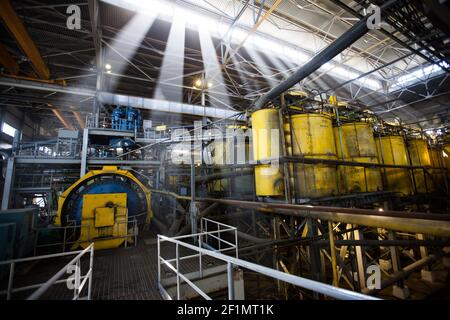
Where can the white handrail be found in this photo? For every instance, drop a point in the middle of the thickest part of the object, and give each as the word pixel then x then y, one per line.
pixel 312 285
pixel 42 287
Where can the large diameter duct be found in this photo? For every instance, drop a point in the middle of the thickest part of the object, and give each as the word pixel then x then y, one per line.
pixel 342 43
pixel 361 217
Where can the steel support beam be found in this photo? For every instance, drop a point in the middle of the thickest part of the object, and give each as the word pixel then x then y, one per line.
pixel 8 61
pixel 61 118
pixel 326 55
pixel 17 29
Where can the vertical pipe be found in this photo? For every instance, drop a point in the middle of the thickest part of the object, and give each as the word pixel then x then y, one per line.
pixel 10 280
pixel 178 270
pixel 193 209
pixel 158 243
pixel 333 254
pixel 230 276
pixel 91 269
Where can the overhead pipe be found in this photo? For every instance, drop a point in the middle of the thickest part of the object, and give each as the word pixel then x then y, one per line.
pixel 432 224
pixel 223 175
pixel 335 48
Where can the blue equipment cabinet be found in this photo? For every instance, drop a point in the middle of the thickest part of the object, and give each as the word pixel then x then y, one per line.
pixel 126 119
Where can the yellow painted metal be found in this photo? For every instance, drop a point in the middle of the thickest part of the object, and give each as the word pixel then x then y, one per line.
pixel 8 61
pixel 437 161
pixel 288 142
pixel 446 156
pixel 218 151
pixel 94 173
pixel 419 156
pixel 266 145
pixel 392 150
pixel 358 145
pixel 312 137
pixel 18 31
pixel 104 219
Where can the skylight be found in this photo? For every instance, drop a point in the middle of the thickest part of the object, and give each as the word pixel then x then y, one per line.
pixel 169 11
pixel 420 74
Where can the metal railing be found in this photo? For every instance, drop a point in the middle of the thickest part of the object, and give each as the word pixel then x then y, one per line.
pixel 204 249
pixel 70 230
pixel 203 239
pixel 78 280
pixel 59 148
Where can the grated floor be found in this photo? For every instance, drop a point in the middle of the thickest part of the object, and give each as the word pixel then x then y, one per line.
pixel 119 274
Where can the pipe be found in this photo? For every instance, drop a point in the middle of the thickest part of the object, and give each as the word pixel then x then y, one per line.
pixel 342 43
pixel 404 273
pixel 222 175
pixel 346 215
pixel 387 243
pixel 331 210
pixel 202 214
pixel 333 254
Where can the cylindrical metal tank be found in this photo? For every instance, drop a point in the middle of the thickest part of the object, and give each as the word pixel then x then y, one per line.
pixel 438 175
pixel 266 144
pixel 419 156
pixel 312 137
pixel 392 151
pixel 355 142
pixel 446 156
pixel 288 143
pixel 215 154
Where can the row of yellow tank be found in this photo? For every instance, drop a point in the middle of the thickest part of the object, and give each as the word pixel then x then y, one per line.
pixel 312 135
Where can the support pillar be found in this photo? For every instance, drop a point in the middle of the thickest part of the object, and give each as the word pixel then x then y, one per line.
pixel 84 151
pixel 399 290
pixel 9 178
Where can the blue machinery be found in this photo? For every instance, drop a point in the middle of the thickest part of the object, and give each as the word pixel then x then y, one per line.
pixel 126 119
pixel 103 203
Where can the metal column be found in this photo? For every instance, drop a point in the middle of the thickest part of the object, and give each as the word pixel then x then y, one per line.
pixel 8 183
pixel 84 150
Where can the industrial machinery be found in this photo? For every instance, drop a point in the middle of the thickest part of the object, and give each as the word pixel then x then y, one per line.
pixel 106 206
pixel 392 151
pixel 437 161
pixel 419 156
pixel 312 137
pixel 126 119
pixel 266 145
pixel 355 142
pixel 16 234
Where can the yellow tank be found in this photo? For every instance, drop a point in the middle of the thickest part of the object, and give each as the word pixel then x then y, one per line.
pixel 419 156
pixel 437 161
pixel 215 154
pixel 312 137
pixel 268 178
pixel 392 150
pixel 358 145
pixel 446 156
pixel 288 142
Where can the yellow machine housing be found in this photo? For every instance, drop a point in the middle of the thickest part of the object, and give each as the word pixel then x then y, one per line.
pixel 419 156
pixel 268 178
pixel 355 142
pixel 392 150
pixel 104 216
pixel 312 137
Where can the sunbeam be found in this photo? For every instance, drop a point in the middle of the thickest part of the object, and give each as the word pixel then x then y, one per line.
pixel 170 82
